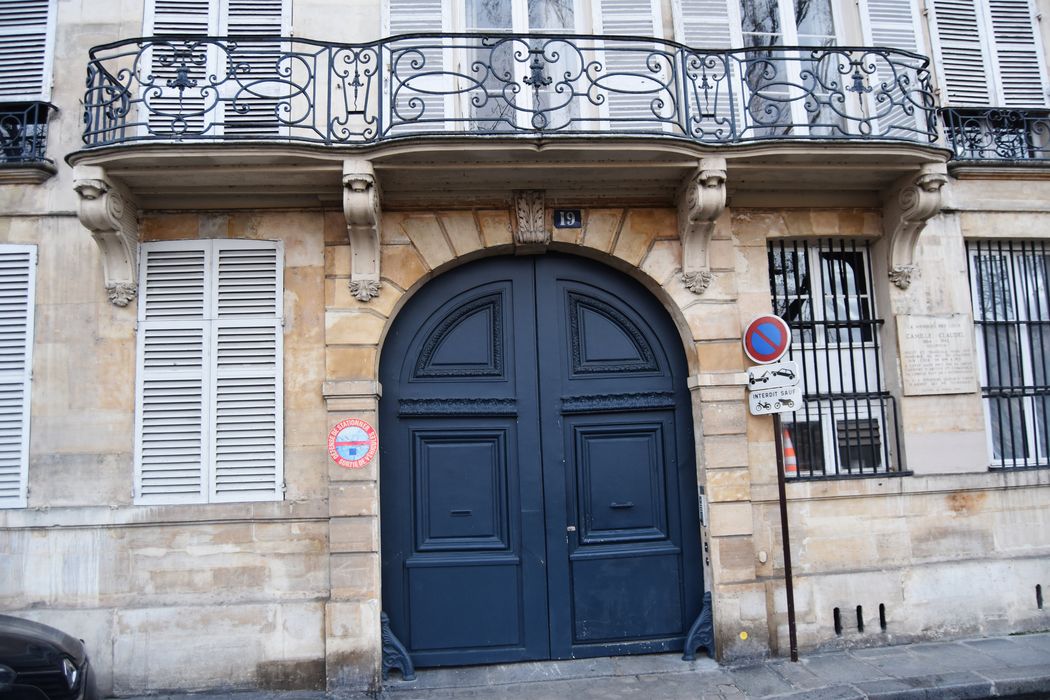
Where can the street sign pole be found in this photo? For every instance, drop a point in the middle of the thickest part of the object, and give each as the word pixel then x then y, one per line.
pixel 778 437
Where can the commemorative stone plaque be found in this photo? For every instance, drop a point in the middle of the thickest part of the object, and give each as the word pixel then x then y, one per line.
pixel 937 355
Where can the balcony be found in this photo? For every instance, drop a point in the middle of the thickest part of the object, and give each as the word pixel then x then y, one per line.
pixel 617 116
pixel 1009 136
pixel 23 142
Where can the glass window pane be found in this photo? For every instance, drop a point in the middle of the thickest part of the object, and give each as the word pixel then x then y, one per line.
pixel 994 288
pixel 489 14
pixel 807 439
pixel 760 17
pixel 859 445
pixel 814 22
pixel 551 15
pixel 1008 429
pixel 1002 355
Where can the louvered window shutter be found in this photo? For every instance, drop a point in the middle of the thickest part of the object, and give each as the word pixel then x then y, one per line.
pixel 1017 55
pixel 171 111
pixel 17 294
pixel 710 24
pixel 247 442
pixel 254 111
pixel 892 24
pixel 961 56
pixel 630 100
pixel 209 424
pixel 26 39
pixel 417 88
pixel 172 378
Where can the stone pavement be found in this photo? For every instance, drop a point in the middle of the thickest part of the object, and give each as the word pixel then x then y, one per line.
pixel 1016 666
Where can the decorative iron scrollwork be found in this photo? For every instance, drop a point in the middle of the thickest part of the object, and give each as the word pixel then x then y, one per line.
pixel 290 89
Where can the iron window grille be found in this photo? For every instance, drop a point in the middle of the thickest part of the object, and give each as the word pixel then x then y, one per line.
pixel 848 423
pixel 1011 308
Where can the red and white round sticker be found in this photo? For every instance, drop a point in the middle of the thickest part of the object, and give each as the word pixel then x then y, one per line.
pixel 352 443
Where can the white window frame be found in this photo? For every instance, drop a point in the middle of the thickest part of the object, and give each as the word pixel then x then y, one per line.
pixel 210 372
pixel 24 377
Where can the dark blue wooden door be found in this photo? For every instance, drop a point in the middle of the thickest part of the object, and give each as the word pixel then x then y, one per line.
pixel 537 479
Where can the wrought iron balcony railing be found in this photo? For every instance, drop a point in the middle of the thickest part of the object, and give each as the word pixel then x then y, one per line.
pixel 23 132
pixel 220 89
pixel 998 133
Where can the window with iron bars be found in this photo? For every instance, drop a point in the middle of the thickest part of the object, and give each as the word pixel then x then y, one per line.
pixel 847 425
pixel 1011 308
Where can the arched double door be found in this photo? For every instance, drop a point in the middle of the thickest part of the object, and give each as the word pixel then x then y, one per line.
pixel 537 480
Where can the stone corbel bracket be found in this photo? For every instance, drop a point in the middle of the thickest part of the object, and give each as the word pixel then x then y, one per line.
pixel 530 219
pixel 700 202
pixel 912 203
pixel 106 209
pixel 363 221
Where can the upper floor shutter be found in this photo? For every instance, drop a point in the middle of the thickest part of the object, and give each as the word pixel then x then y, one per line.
pixel 254 105
pixel 960 51
pixel 1021 75
pixel 710 24
pixel 892 24
pixel 634 87
pixel 171 111
pixel 419 87
pixel 26 31
pixel 209 423
pixel 17 294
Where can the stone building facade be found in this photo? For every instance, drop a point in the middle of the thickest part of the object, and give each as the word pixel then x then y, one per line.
pixel 939 529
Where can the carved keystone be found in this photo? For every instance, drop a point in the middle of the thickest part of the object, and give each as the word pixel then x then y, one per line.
pixel 913 202
pixel 107 210
pixel 700 202
pixel 530 224
pixel 363 218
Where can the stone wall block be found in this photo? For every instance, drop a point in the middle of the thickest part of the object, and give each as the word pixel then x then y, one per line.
pixel 495 227
pixel 349 499
pixel 358 534
pixel 354 576
pixel 730 519
pixel 724 418
pixel 724 451
pixel 353 328
pixel 664 261
pixel 713 321
pixel 462 231
pixel 401 265
pixel 350 362
pixel 640 227
pixel 601 228
pixel 721 356
pixel 727 485
pixel 337 260
pixel 429 239
pixel 170 227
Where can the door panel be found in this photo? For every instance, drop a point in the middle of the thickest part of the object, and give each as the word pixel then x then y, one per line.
pixel 538 486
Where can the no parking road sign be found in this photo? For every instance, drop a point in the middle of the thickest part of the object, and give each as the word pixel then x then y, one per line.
pixel 766 339
pixel 352 443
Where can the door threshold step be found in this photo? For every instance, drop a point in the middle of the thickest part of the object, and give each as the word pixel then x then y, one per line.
pixel 538 671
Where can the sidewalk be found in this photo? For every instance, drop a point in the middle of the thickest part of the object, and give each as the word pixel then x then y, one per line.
pixel 1017 666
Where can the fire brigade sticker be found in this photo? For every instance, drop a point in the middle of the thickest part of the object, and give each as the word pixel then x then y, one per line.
pixel 352 443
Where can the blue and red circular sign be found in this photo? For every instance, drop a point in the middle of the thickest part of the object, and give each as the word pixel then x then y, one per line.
pixel 352 443
pixel 766 339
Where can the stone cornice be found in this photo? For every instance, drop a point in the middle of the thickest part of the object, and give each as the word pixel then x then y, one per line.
pixel 700 202
pixel 106 209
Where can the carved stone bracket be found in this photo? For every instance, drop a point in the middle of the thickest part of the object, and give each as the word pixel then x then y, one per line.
pixel 363 219
pixel 530 219
pixel 912 203
pixel 700 202
pixel 107 210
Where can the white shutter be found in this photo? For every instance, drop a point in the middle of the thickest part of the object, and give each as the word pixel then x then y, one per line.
pixel 247 446
pixel 171 111
pixel 412 97
pixel 255 112
pixel 711 24
pixel 964 69
pixel 26 38
pixel 892 24
pixel 17 294
pixel 1017 56
pixel 209 425
pixel 629 104
pixel 172 374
